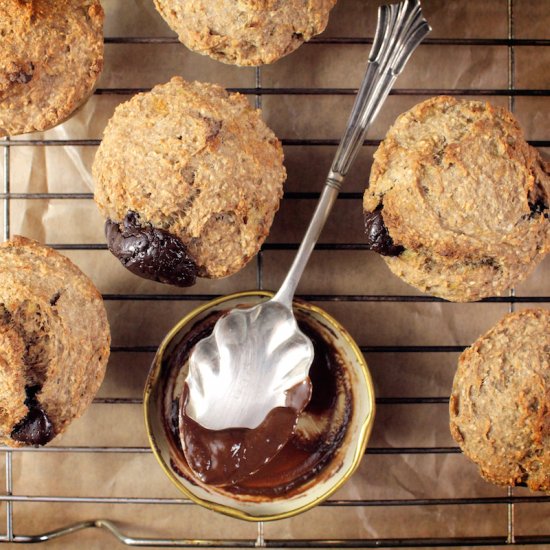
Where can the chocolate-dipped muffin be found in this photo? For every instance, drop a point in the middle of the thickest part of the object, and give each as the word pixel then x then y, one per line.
pixel 458 201
pixel 51 54
pixel 54 342
pixel 189 179
pixel 500 403
pixel 245 32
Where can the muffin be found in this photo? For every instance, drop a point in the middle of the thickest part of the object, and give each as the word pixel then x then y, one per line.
pixel 54 342
pixel 458 201
pixel 51 54
pixel 245 32
pixel 189 179
pixel 500 403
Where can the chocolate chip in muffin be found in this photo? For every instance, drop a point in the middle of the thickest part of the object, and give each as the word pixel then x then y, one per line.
pixel 55 298
pixel 54 342
pixel 538 207
pixel 150 252
pixel 24 75
pixel 214 127
pixel 378 237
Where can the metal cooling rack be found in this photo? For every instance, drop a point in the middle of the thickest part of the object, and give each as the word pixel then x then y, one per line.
pixel 511 92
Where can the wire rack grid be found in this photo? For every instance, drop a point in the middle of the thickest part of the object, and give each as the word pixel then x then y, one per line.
pixel 509 501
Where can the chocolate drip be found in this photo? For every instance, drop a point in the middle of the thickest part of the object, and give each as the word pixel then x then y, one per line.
pixel 378 236
pixel 150 253
pixel 36 428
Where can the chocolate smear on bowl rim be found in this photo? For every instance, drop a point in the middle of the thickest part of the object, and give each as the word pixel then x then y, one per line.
pixel 150 252
pixel 378 237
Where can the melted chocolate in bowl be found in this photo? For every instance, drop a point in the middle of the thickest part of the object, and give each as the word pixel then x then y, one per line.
pixel 319 432
pixel 226 457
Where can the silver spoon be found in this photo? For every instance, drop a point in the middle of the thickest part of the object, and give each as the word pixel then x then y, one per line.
pixel 256 356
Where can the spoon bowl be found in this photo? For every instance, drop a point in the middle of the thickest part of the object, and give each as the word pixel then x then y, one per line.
pixel 249 348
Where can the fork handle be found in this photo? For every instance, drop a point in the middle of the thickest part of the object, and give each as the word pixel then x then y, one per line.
pixel 400 29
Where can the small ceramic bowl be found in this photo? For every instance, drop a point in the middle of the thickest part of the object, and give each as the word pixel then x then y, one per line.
pixel 334 474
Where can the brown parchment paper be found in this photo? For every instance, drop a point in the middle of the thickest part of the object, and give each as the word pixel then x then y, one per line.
pixel 66 169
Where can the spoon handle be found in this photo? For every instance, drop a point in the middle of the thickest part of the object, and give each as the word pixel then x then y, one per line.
pixel 400 29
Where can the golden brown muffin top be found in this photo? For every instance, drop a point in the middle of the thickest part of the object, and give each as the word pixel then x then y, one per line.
pixel 51 54
pixel 245 32
pixel 500 403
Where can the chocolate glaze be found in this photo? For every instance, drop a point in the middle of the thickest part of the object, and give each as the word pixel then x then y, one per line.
pixel 36 428
pixel 149 252
pixel 308 451
pixel 225 457
pixel 378 237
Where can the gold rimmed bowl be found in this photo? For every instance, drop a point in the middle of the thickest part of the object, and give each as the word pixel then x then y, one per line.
pixel 165 383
